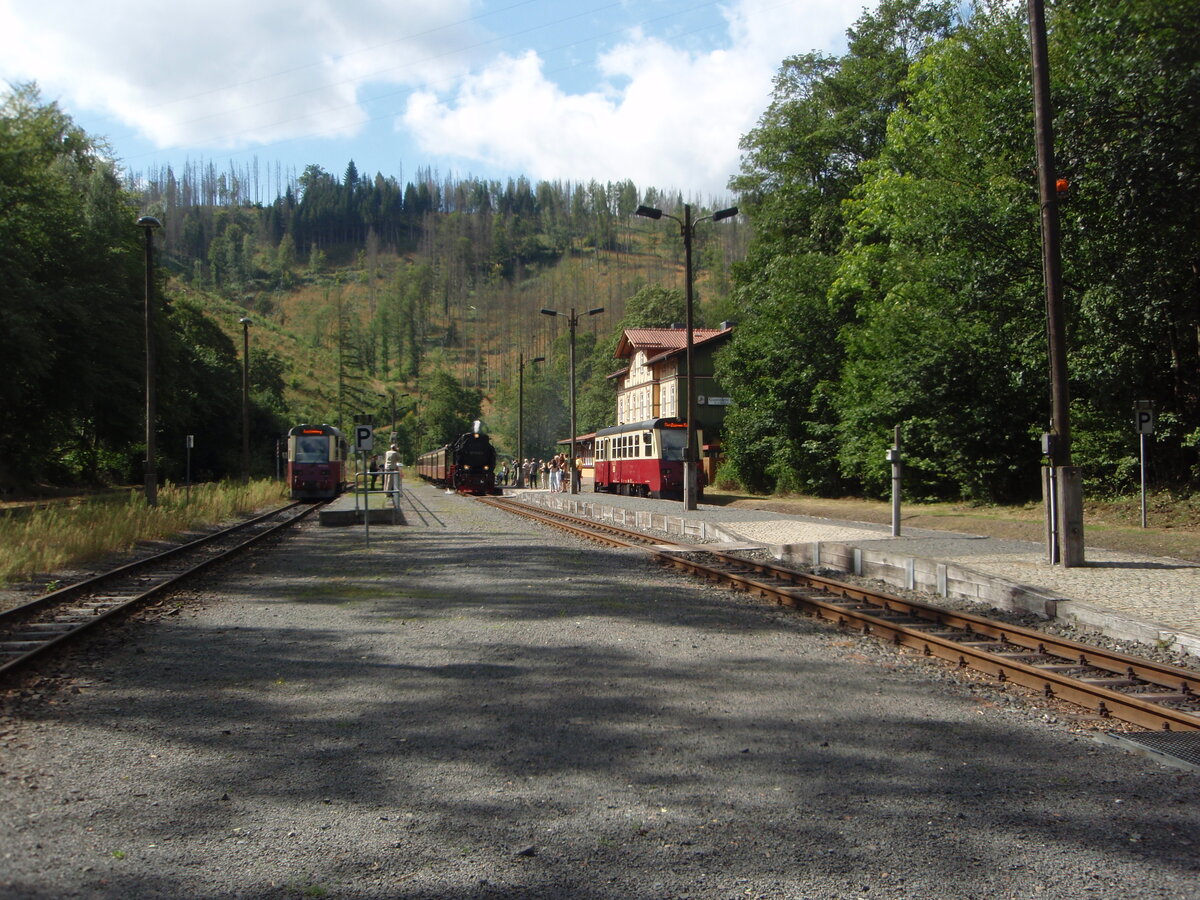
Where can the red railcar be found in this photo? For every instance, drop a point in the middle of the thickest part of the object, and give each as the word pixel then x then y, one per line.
pixel 642 458
pixel 316 462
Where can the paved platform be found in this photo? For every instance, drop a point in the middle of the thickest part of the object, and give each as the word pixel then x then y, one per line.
pixel 351 508
pixel 1151 600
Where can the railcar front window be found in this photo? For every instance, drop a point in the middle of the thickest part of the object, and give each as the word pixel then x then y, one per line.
pixel 673 443
pixel 312 450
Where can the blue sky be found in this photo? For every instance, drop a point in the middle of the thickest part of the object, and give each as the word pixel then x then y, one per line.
pixel 659 91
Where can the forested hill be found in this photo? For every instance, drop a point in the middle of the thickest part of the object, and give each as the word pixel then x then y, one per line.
pixel 885 272
pixel 414 304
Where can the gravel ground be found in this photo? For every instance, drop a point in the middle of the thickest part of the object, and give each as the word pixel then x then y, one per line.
pixel 476 707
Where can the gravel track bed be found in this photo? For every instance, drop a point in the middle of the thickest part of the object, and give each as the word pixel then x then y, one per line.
pixel 478 707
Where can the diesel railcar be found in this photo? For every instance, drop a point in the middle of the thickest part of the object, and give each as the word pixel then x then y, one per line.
pixel 316 462
pixel 643 459
pixel 468 465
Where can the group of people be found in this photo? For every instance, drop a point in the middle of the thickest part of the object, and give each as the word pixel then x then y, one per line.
pixel 547 474
pixel 390 470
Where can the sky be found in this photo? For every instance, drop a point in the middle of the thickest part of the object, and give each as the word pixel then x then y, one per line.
pixel 657 91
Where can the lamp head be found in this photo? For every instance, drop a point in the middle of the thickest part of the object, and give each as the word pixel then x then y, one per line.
pixel 549 312
pixel 725 214
pixel 244 320
pixel 148 222
pixel 598 309
pixel 649 212
pixel 538 359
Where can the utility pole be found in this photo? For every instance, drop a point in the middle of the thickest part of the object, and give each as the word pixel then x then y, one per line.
pixel 1063 483
pixel 148 224
pixel 687 228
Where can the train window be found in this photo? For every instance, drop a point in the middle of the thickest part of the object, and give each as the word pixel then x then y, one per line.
pixel 673 442
pixel 312 449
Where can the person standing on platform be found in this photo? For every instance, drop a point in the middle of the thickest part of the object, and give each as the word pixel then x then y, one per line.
pixel 391 478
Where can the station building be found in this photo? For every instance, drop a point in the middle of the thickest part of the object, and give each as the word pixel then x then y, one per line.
pixel 653 384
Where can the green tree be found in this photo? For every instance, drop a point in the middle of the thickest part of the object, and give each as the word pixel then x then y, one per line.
pixel 447 410
pixel 827 116
pixel 70 277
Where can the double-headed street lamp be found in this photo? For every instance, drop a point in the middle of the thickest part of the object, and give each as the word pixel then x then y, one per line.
pixel 521 406
pixel 148 224
pixel 687 228
pixel 244 321
pixel 573 321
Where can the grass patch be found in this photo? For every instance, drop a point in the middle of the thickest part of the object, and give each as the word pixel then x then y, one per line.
pixel 62 536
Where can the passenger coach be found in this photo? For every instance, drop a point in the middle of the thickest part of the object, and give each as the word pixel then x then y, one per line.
pixel 643 459
pixel 316 462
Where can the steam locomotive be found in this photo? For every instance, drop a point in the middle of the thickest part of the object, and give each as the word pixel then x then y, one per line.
pixel 468 465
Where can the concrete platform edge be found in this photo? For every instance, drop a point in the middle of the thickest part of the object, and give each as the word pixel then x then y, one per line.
pixel 931 576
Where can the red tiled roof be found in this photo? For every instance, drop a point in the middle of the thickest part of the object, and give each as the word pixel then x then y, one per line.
pixel 658 340
pixel 697 340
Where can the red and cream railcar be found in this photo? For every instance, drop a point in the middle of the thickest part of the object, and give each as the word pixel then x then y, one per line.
pixel 642 458
pixel 316 462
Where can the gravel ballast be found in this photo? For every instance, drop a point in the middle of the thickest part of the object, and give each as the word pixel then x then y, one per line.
pixel 478 707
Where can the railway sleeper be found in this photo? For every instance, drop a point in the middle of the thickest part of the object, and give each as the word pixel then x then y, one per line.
pixel 1110 682
pixel 1169 697
pixel 20 646
pixel 1030 657
pixel 29 637
pixel 1062 668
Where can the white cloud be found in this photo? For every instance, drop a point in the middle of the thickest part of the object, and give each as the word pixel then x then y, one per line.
pixel 227 73
pixel 664 116
pixel 195 77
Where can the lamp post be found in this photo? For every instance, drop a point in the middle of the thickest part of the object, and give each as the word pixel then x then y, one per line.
pixel 688 228
pixel 148 224
pixel 521 405
pixel 245 323
pixel 572 321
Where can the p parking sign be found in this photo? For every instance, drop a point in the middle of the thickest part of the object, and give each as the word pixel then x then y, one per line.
pixel 364 438
pixel 1144 416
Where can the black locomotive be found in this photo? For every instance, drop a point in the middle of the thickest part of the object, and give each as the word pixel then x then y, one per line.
pixel 468 465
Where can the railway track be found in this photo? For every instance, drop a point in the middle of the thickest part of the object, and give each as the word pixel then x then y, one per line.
pixel 1138 691
pixel 35 629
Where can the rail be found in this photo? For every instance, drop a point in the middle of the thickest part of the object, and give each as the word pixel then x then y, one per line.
pixel 30 631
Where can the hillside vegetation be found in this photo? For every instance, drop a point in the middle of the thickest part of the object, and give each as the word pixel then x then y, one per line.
pixel 885 272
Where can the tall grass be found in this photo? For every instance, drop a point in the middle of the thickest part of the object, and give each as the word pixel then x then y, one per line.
pixel 69 535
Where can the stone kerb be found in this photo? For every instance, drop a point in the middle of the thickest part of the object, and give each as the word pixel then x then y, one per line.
pixel 905 572
pixel 926 575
